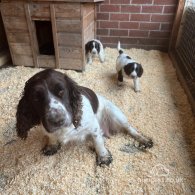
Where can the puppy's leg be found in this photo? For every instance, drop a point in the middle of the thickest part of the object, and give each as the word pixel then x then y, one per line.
pixel 89 58
pixel 103 155
pixel 101 56
pixel 136 85
pixel 52 146
pixel 120 78
pixel 120 122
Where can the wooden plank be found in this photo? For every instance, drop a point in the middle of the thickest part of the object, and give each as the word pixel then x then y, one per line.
pixel 15 37
pixel 55 37
pixel 70 39
pixel 87 8
pixel 89 33
pixel 68 25
pixel 13 9
pixel 176 24
pixel 40 11
pixel 21 49
pixel 23 60
pixel 46 61
pixel 32 33
pixel 68 10
pixel 71 64
pixel 15 24
pixel 70 52
pixel 88 19
pixel 81 1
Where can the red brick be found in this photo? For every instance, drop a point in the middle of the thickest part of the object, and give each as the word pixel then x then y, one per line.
pixel 131 8
pixel 169 9
pixel 127 41
pixel 108 24
pixel 102 16
pixel 160 34
pixel 152 9
pixel 109 39
pixel 119 2
pixel 140 17
pixel 138 33
pixel 102 31
pixel 115 32
pixel 129 25
pixel 166 26
pixel 109 8
pixel 152 41
pixel 165 2
pixel 162 18
pixel 141 1
pixel 119 17
pixel 149 26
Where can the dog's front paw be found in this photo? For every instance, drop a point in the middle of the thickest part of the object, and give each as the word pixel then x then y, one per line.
pixel 104 160
pixel 146 144
pixel 49 150
pixel 137 90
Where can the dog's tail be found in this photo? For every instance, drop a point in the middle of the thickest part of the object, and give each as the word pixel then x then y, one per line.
pixel 120 50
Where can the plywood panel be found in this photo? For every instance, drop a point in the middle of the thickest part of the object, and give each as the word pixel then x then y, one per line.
pixel 87 8
pixel 89 33
pixel 70 52
pixel 14 24
pixel 70 39
pixel 18 37
pixel 68 10
pixel 73 64
pixel 23 60
pixel 21 49
pixel 68 25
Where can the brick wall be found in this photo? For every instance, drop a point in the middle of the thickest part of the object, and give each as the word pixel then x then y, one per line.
pixel 143 24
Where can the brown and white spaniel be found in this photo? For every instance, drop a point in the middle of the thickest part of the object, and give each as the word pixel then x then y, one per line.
pixel 69 112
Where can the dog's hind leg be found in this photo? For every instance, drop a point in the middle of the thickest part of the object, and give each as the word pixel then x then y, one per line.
pixel 118 121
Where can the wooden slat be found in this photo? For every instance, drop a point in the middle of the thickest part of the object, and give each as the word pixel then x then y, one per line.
pixel 176 24
pixel 68 10
pixel 21 49
pixel 32 32
pixel 68 25
pixel 15 24
pixel 46 61
pixel 55 37
pixel 87 8
pixel 23 60
pixel 72 64
pixel 18 37
pixel 40 11
pixel 89 33
pixel 70 39
pixel 70 52
pixel 13 9
pixel 88 19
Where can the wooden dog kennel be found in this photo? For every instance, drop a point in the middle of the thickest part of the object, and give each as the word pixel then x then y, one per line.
pixel 49 34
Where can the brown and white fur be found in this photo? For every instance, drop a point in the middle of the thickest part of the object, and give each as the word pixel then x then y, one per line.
pixel 129 68
pixel 70 112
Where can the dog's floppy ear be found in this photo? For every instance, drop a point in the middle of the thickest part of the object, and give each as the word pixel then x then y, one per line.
pixel 97 45
pixel 139 70
pixel 75 100
pixel 26 117
pixel 87 47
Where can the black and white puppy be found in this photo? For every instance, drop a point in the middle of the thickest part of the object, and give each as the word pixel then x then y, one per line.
pixel 69 112
pixel 127 67
pixel 94 48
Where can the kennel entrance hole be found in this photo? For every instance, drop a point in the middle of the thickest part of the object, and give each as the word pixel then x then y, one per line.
pixel 44 37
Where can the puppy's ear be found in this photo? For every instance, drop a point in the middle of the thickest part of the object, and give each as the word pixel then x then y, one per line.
pixel 26 117
pixel 87 47
pixel 75 100
pixel 139 70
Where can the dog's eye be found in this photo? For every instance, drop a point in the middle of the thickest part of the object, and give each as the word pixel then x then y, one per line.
pixel 60 93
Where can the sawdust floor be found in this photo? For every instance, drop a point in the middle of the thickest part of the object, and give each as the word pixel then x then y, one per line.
pixel 161 111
